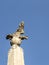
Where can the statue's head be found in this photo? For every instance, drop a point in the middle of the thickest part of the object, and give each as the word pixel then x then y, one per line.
pixel 20 30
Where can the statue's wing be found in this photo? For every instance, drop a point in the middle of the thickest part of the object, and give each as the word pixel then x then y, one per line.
pixel 21 25
pixel 9 36
pixel 21 28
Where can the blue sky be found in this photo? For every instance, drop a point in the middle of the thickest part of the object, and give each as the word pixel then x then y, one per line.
pixel 35 14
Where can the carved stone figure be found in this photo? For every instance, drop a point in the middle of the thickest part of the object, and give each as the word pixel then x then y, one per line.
pixel 15 54
pixel 16 38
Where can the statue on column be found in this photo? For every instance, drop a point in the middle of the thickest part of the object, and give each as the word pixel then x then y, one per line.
pixel 16 54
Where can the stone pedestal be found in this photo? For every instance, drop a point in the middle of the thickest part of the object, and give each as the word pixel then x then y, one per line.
pixel 15 56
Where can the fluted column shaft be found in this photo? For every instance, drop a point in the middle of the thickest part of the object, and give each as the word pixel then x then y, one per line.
pixel 15 56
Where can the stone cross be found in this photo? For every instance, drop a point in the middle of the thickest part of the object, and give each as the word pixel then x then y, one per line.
pixel 15 54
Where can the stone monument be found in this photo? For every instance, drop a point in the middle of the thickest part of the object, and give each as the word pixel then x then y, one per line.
pixel 16 54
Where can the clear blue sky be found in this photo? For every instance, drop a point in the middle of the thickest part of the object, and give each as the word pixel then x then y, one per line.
pixel 35 14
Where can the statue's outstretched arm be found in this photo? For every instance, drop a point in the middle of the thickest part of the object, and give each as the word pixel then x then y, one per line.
pixel 23 37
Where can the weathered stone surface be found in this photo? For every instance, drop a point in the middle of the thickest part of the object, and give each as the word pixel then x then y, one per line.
pixel 15 56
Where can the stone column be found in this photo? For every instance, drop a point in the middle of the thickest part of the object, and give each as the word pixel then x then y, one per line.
pixel 15 56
